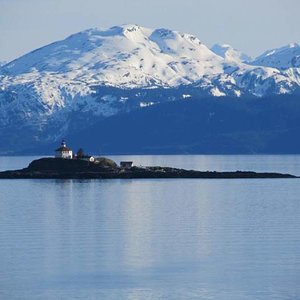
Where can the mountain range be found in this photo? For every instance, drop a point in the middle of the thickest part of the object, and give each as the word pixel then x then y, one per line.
pixel 66 87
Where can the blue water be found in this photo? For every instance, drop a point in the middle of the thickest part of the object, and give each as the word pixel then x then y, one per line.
pixel 153 239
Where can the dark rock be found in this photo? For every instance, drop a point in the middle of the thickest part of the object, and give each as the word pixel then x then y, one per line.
pixel 105 162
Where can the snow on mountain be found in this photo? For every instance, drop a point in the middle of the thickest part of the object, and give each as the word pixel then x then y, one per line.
pixel 124 56
pixel 99 73
pixel 281 58
pixel 230 54
pixel 261 82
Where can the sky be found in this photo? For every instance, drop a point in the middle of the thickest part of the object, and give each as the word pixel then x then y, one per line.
pixel 252 26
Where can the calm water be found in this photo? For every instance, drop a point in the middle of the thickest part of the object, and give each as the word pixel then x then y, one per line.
pixel 153 239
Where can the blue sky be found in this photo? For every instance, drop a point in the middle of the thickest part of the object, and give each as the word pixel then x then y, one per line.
pixel 251 26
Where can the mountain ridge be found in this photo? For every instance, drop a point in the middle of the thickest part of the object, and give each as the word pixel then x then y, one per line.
pixel 281 58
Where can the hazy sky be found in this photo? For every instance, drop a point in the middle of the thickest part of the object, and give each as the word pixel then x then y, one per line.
pixel 250 25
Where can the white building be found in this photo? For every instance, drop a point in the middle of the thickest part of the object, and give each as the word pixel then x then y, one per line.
pixel 87 158
pixel 63 151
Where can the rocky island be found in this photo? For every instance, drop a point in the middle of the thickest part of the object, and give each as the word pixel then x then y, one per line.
pixel 66 165
pixel 104 168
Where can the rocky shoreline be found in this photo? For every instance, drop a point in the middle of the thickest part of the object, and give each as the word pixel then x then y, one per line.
pixel 56 168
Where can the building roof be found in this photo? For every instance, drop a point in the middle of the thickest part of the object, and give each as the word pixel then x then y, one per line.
pixel 126 163
pixel 61 149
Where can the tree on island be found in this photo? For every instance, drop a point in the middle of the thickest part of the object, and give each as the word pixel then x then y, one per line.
pixel 80 153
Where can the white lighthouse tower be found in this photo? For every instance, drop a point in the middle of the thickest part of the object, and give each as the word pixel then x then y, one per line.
pixel 63 151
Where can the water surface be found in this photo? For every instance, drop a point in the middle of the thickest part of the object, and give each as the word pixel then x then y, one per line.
pixel 153 239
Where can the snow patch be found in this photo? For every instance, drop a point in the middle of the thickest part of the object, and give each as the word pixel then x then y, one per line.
pixel 186 96
pixel 217 93
pixel 146 104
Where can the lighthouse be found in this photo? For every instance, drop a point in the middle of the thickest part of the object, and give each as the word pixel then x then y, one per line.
pixel 63 151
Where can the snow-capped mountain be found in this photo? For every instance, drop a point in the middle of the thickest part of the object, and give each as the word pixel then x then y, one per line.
pixel 99 73
pixel 230 54
pixel 2 63
pixel 281 58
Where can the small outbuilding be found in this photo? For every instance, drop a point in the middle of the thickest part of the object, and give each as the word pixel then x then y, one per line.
pixel 126 164
pixel 63 151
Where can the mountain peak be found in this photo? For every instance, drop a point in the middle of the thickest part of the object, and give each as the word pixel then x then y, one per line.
pixel 230 54
pixel 293 45
pixel 125 29
pixel 119 30
pixel 134 31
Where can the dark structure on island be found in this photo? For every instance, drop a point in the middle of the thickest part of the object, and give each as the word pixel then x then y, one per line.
pixel 126 164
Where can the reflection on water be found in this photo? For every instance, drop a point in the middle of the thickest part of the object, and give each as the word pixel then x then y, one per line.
pixel 150 239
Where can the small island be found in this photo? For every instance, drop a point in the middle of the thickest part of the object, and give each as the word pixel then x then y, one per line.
pixel 65 165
